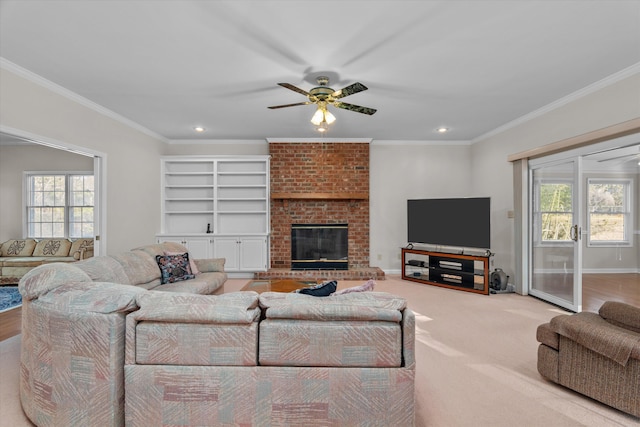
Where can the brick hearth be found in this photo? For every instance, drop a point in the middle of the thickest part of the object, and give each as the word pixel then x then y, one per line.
pixel 320 183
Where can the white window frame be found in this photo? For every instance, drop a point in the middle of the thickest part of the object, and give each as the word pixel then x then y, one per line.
pixel 627 213
pixel 26 198
pixel 538 212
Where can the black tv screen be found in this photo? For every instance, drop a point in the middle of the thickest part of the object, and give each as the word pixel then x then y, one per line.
pixel 462 222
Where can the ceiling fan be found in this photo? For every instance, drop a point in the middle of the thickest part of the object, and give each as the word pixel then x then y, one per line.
pixel 323 96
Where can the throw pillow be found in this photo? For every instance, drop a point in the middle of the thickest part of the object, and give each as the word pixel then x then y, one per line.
pixel 174 268
pixel 322 290
pixel 192 263
pixel 365 287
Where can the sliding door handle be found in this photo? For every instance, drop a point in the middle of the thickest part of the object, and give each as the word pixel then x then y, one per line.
pixel 574 234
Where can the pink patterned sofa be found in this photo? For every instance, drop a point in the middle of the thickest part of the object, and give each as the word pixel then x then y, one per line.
pixel 96 351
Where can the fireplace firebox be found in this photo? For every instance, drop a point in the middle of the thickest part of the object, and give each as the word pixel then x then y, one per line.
pixel 319 247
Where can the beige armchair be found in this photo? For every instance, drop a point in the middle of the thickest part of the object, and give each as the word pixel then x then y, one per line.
pixel 596 354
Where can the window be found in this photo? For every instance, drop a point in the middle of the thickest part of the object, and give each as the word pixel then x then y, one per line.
pixel 609 212
pixel 554 211
pixel 59 205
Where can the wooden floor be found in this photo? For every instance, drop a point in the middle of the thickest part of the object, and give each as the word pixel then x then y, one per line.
pixel 596 289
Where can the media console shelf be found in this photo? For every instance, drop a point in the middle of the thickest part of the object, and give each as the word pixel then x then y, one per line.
pixel 455 271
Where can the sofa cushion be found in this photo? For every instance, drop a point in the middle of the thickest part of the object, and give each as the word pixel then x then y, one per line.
pixel 354 329
pixel 210 265
pixel 52 247
pixel 593 332
pixel 104 269
pixel 95 297
pixel 322 290
pixel 353 306
pixel 621 314
pixel 286 342
pixel 193 344
pixel 44 278
pixel 80 245
pixel 187 329
pixel 192 263
pixel 138 266
pixel 16 261
pixel 235 307
pixel 22 248
pixel 174 268
pixel 203 283
pixel 160 248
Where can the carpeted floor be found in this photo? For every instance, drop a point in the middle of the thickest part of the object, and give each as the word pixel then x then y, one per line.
pixel 476 363
pixel 9 298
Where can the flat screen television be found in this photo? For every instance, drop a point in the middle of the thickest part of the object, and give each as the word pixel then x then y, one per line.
pixel 461 222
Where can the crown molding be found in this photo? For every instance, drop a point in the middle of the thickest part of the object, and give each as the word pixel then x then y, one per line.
pixel 320 140
pixel 440 142
pixel 607 81
pixel 60 90
pixel 217 141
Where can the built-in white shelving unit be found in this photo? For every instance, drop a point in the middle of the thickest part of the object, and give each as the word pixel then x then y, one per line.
pixel 228 196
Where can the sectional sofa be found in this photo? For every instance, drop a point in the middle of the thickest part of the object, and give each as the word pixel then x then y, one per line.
pixel 17 256
pixel 105 343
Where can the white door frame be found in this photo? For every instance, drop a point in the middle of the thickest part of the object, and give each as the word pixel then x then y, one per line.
pixel 99 172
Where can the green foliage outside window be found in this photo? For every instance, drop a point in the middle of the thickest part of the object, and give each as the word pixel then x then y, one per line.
pixel 607 211
pixel 556 215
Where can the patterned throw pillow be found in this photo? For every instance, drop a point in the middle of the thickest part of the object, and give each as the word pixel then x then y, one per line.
pixel 174 268
pixel 192 263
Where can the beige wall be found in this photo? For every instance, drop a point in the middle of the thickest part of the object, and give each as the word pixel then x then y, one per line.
pixel 399 172
pixel 493 174
pixel 132 157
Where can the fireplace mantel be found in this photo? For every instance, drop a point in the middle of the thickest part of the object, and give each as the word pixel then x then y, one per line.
pixel 320 196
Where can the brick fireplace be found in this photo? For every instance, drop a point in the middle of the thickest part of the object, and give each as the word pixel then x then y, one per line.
pixel 320 183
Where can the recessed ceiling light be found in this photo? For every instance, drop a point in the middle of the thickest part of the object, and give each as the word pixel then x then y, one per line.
pixel 198 129
pixel 442 129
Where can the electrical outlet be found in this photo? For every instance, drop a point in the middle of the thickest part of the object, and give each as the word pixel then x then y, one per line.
pixel 511 214
pixel 379 257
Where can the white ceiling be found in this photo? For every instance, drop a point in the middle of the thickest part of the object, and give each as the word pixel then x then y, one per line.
pixel 472 66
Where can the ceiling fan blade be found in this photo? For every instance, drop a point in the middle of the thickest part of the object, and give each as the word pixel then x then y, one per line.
pixel 290 105
pixel 356 108
pixel 295 89
pixel 349 90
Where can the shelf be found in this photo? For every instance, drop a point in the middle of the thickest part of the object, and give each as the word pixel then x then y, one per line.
pixel 243 173
pixel 189 173
pixel 454 271
pixel 189 186
pixel 231 193
pixel 187 212
pixel 321 196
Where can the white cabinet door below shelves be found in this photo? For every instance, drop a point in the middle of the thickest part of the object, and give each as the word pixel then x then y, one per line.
pixel 227 248
pixel 242 253
pixel 253 251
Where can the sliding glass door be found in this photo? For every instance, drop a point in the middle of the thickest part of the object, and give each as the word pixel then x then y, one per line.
pixel 556 193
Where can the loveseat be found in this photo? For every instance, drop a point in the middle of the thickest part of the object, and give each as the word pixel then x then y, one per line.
pixel 104 345
pixel 17 256
pixel 595 354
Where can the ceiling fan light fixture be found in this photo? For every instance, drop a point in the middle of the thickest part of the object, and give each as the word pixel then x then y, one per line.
pixel 318 117
pixel 328 117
